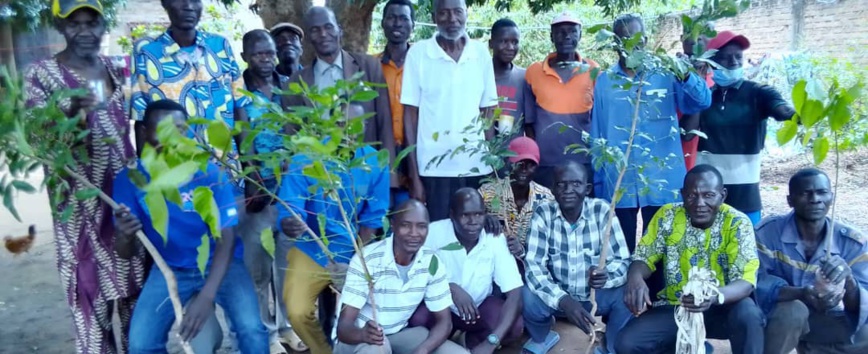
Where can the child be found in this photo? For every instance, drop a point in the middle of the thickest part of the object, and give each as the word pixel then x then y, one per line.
pixel 225 281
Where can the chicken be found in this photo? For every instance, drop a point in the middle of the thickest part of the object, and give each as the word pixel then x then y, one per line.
pixel 21 244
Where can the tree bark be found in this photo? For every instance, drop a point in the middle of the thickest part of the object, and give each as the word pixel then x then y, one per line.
pixel 354 17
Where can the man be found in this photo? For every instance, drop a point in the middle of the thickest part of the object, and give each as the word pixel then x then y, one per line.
pixel 399 20
pixel 793 252
pixel 701 232
pixel 508 77
pixel 475 261
pixel 409 276
pixel 365 198
pixel 287 37
pixel 260 78
pixel 690 141
pixel 648 183
pixel 563 250
pixel 735 124
pixel 561 95
pixel 514 203
pixel 333 64
pixel 225 282
pixel 448 84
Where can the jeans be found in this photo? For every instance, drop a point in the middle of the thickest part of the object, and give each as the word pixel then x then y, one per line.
pixel 793 325
pixel 610 302
pixel 153 316
pixel 655 332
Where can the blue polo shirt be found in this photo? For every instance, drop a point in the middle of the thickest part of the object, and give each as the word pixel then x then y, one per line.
pixel 269 139
pixel 186 227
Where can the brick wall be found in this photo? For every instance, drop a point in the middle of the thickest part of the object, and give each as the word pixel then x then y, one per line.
pixel 837 27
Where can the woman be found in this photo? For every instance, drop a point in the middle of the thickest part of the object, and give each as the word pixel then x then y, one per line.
pixel 92 274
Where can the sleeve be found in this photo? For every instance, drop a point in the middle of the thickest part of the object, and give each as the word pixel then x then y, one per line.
pixel 618 255
pixel 741 248
pixel 653 244
pixel 768 99
pixel 438 297
pixel 124 192
pixel 765 248
pixel 293 191
pixel 692 96
pixel 377 204
pixel 411 82
pixel 487 193
pixel 237 83
pixel 138 86
pixel 489 93
pixel 539 279
pixel 506 274
pixel 224 196
pixel 355 291
pixel 858 261
pixel 529 104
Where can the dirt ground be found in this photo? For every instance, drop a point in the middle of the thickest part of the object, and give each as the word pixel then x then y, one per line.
pixel 37 320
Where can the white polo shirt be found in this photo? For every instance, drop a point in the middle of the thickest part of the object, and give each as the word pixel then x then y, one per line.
pixel 396 300
pixel 488 262
pixel 449 95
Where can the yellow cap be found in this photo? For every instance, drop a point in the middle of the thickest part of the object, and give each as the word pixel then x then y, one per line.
pixel 64 8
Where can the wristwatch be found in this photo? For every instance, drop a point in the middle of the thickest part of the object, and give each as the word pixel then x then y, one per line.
pixel 493 339
pixel 720 298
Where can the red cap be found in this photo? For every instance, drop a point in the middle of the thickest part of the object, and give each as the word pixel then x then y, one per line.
pixel 725 37
pixel 525 149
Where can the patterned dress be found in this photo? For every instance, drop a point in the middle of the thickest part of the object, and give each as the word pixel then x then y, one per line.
pixel 91 272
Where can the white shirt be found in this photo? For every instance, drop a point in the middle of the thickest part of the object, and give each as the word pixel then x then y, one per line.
pixel 488 262
pixel 449 95
pixel 396 300
pixel 327 75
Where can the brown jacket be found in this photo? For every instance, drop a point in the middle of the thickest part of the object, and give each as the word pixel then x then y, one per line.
pixel 379 127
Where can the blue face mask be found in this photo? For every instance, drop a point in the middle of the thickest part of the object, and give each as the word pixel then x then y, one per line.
pixel 728 77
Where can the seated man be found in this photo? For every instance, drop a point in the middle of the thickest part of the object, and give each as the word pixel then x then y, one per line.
pixel 226 281
pixel 701 232
pixel 563 250
pixel 364 195
pixel 519 198
pixel 792 250
pixel 475 260
pixel 404 275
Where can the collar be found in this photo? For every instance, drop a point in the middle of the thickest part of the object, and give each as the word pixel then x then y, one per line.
pixel 320 66
pixel 276 78
pixel 790 234
pixel 435 51
pixel 549 70
pixel 172 47
pixel 585 215
pixel 386 58
pixel 389 257
pixel 737 86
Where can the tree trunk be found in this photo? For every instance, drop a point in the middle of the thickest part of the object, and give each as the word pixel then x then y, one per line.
pixel 353 16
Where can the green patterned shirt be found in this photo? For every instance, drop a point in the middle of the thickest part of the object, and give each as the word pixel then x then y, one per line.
pixel 728 248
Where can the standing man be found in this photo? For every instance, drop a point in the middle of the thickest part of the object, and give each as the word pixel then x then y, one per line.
pixel 701 232
pixel 504 44
pixel 792 250
pixel 482 260
pixel 563 250
pixel 399 19
pixel 561 94
pixel 689 141
pixel 448 84
pixel 287 37
pixel 648 183
pixel 333 64
pixel 406 280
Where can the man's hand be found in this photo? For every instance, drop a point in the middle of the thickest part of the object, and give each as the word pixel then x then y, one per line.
pixel 636 296
pixel 492 225
pixel 372 333
pixel 199 310
pixel 687 301
pixel 84 103
pixel 417 189
pixel 338 274
pixel 577 314
pixel 466 309
pixel 515 247
pixel 257 198
pixel 597 278
pixel 127 224
pixel 293 227
pixel 822 303
pixel 483 348
pixel 835 269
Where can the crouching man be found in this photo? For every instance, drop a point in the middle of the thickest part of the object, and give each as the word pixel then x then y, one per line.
pixel 404 274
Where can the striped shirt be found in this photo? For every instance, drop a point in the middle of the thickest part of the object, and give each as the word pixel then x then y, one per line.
pixel 559 254
pixel 396 300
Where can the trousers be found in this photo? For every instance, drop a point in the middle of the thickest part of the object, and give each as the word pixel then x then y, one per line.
pixel 403 342
pixel 490 312
pixel 793 325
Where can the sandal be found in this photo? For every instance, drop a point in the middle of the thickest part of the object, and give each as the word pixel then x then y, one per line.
pixel 542 348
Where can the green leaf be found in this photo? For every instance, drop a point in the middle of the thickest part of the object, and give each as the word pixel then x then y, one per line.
pixel 820 149
pixel 811 113
pixel 219 136
pixel 9 203
pixel 267 240
pixel 787 132
pixel 159 213
pixel 206 207
pixel 454 246
pixel 23 186
pixel 203 253
pixel 839 114
pixel 174 177
pixel 799 95
pixel 364 95
pixel 321 221
pixel 435 136
pixel 86 194
pixel 433 266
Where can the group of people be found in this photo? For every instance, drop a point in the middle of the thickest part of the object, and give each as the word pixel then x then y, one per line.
pixel 493 258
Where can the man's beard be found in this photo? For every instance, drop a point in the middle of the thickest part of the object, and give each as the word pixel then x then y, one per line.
pixel 455 38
